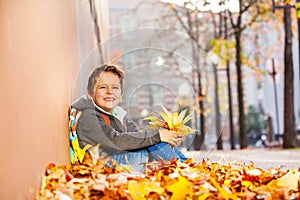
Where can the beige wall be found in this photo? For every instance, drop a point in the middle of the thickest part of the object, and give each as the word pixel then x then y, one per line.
pixel 38 66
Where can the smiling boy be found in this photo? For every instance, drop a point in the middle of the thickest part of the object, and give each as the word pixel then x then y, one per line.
pixel 104 122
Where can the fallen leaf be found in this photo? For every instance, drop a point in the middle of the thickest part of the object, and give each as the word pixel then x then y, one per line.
pixel 290 180
pixel 180 189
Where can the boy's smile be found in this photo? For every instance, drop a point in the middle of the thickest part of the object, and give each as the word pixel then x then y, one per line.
pixel 107 91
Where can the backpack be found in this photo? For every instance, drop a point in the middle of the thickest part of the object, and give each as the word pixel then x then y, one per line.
pixel 77 154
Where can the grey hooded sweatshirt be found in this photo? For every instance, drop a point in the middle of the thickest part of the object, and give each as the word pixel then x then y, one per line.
pixel 122 134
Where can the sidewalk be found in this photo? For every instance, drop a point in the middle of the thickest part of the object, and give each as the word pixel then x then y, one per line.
pixel 263 158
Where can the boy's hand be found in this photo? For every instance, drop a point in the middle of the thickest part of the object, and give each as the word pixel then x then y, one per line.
pixel 171 137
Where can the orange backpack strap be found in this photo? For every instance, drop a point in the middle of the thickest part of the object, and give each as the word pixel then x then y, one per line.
pixel 106 119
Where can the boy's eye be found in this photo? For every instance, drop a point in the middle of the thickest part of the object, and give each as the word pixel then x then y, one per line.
pixel 106 87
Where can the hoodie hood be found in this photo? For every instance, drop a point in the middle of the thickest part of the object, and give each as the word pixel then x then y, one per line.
pixel 85 102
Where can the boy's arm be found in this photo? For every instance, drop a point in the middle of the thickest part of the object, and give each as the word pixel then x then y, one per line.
pixel 92 129
pixel 131 126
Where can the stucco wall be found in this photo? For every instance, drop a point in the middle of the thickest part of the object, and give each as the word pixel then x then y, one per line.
pixel 38 65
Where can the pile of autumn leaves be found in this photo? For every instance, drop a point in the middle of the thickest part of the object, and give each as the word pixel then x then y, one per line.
pixel 168 180
pixel 105 179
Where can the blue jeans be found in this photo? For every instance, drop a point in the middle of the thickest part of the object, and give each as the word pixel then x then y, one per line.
pixel 139 157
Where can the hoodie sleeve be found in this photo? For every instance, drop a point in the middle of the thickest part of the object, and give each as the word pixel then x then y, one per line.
pixel 92 129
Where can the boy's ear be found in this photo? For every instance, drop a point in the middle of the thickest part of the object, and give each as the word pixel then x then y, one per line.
pixel 89 96
pixel 90 92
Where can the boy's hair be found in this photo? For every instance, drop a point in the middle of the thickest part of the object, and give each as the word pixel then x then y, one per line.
pixel 104 68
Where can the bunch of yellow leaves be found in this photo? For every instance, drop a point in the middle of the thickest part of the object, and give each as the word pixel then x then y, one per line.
pixel 171 121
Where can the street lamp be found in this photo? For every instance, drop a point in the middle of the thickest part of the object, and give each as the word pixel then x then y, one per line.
pixel 273 74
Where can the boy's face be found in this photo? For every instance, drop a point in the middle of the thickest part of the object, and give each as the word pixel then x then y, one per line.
pixel 107 91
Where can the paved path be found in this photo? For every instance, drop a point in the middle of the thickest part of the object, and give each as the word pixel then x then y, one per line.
pixel 263 158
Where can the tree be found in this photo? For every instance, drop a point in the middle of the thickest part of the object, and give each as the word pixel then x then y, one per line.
pixel 250 11
pixel 191 24
pixel 289 137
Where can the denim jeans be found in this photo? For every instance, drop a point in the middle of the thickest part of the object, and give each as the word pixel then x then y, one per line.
pixel 138 157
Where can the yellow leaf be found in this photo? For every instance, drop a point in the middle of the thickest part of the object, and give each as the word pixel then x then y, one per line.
pixel 136 190
pixel 247 184
pixel 139 190
pixel 182 115
pixel 227 182
pixel 166 112
pixel 203 196
pixel 180 189
pixel 186 119
pixel 155 122
pixel 289 180
pixel 222 191
pixel 171 121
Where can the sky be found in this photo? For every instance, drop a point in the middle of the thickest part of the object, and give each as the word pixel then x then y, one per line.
pixel 232 5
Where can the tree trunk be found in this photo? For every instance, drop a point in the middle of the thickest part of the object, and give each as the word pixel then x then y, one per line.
pixel 231 128
pixel 242 126
pixel 289 137
pixel 199 138
pixel 198 142
pixel 217 110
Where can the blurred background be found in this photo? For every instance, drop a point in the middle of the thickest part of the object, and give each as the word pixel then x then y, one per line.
pixel 222 60
pixel 233 64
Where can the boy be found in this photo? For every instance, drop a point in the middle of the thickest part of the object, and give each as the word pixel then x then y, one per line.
pixel 104 122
